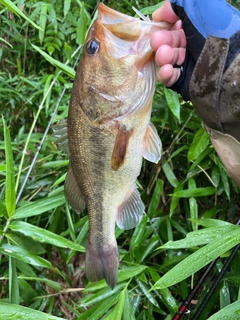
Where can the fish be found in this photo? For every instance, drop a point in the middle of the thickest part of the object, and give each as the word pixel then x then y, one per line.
pixel 109 132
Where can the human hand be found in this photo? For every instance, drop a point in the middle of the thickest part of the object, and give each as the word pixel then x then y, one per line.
pixel 169 45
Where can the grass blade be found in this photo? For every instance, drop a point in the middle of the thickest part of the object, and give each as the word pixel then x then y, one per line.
pixel 10 194
pixel 68 70
pixel 194 192
pixel 13 282
pixel 12 7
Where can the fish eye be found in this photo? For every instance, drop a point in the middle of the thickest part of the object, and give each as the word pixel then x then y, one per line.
pixel 92 47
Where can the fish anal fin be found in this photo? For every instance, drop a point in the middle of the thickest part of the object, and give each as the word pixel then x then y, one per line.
pixel 60 132
pixel 130 212
pixel 120 147
pixel 152 144
pixel 73 193
pixel 102 263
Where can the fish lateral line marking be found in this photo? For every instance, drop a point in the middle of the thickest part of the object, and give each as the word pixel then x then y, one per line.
pixel 120 147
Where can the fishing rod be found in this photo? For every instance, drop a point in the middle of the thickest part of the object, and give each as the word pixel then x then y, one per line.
pixel 183 309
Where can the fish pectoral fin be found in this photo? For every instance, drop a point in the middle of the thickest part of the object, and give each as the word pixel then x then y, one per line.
pixel 60 132
pixel 152 144
pixel 73 193
pixel 130 212
pixel 120 147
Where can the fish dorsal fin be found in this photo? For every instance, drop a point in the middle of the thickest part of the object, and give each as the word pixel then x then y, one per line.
pixel 73 193
pixel 60 132
pixel 130 212
pixel 152 144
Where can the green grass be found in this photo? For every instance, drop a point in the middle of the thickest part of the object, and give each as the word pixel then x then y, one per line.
pixel 191 204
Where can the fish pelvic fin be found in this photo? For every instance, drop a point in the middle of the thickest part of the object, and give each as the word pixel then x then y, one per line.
pixel 102 263
pixel 152 144
pixel 130 212
pixel 73 193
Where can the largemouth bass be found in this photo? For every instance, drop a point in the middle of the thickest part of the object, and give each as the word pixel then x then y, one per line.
pixel 109 133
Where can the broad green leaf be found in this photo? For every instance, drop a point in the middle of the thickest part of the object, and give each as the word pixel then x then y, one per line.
pixel 12 7
pixel 26 291
pixel 145 290
pixel 173 102
pixel 208 223
pixel 215 175
pixel 47 91
pixel 14 312
pixel 128 313
pixel 148 249
pixel 13 282
pixel 25 269
pixel 66 7
pixel 130 272
pixel 136 239
pixel 37 207
pixel 225 299
pixel 117 311
pixel 155 199
pixel 98 310
pixel 26 243
pixel 150 9
pixel 53 284
pixel 3 210
pixel 175 200
pixel 224 177
pixel 170 175
pixel 198 238
pixel 79 239
pixel 100 295
pixel 42 21
pixel 123 275
pixel 231 312
pixel 68 70
pixel 82 27
pixel 44 236
pixel 195 192
pixel 199 259
pixel 193 206
pixel 199 144
pixel 199 159
pixel 164 293
pixel 10 194
pixel 24 255
pixel 70 224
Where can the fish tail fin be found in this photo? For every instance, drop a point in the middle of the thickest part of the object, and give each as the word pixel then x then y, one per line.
pixel 102 263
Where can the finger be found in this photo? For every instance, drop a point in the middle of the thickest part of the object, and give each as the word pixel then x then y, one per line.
pixel 165 13
pixel 175 39
pixel 168 75
pixel 178 25
pixel 168 55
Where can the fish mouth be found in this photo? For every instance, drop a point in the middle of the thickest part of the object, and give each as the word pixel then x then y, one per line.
pixel 120 25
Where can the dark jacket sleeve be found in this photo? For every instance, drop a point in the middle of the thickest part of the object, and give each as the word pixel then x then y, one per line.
pixel 201 19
